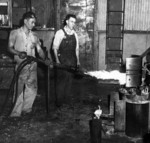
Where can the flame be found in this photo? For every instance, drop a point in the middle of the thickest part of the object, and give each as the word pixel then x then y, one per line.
pixel 115 75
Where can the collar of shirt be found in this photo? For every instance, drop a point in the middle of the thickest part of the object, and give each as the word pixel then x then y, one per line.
pixel 26 34
pixel 68 31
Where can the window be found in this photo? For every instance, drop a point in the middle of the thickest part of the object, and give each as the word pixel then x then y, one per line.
pixel 5 13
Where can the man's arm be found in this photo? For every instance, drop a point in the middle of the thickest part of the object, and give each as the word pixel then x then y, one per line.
pixel 77 50
pixel 56 43
pixel 55 48
pixel 11 43
pixel 40 51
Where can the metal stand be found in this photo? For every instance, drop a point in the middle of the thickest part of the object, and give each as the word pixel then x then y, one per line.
pixel 48 89
pixel 95 130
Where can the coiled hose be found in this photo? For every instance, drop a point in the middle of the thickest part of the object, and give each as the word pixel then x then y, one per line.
pixel 14 82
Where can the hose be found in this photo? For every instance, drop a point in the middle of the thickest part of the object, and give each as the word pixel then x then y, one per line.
pixel 14 82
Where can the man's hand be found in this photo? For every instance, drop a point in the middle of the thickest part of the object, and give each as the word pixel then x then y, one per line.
pixel 78 63
pixel 48 63
pixel 22 55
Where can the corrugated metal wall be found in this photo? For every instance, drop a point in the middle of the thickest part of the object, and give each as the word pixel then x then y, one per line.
pixel 137 15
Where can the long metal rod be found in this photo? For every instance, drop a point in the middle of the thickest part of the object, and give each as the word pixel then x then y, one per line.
pixel 48 89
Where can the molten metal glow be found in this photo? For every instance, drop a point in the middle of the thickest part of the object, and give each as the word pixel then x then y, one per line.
pixel 114 75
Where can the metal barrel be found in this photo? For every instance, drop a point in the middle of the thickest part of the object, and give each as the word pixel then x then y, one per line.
pixel 95 130
pixel 137 119
pixel 133 71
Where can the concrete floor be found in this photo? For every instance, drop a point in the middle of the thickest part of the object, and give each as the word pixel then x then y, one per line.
pixel 69 125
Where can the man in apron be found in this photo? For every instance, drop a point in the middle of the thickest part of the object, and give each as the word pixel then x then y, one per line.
pixel 66 52
pixel 22 42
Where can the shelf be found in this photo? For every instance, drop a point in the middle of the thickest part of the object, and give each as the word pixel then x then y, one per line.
pixel 114 37
pixel 114 24
pixel 115 50
pixel 116 11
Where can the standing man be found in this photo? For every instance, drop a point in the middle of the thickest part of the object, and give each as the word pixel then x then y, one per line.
pixel 22 42
pixel 66 51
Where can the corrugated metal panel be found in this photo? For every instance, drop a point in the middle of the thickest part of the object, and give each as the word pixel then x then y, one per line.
pixel 137 14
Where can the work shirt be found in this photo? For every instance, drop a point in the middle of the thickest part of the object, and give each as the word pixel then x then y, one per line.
pixel 23 42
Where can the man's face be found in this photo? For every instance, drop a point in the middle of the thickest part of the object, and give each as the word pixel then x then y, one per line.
pixel 30 23
pixel 71 22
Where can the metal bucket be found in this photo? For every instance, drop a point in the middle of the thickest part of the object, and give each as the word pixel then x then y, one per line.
pixel 137 119
pixel 133 71
pixel 95 130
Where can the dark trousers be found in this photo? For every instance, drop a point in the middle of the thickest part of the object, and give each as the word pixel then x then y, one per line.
pixel 63 84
